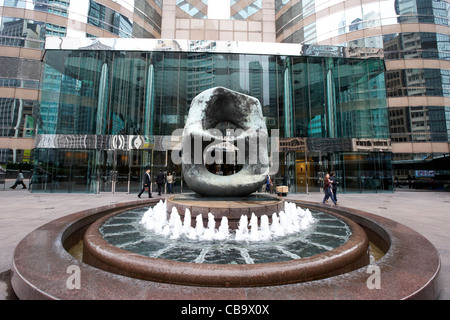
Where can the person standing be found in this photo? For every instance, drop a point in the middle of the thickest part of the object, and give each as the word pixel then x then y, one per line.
pixel 334 185
pixel 19 180
pixel 327 189
pixel 268 182
pixel 160 181
pixel 146 184
pixel 410 181
pixel 169 182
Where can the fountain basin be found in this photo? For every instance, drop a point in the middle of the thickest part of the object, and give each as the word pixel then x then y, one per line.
pixel 293 233
pixel 349 256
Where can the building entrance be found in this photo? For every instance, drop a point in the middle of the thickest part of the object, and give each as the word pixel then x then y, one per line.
pixel 116 170
pixel 122 170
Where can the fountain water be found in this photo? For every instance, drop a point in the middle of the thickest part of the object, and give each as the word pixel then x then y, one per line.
pixel 292 233
pixel 292 220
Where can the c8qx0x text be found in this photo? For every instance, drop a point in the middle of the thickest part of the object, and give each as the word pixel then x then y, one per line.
pixel 247 309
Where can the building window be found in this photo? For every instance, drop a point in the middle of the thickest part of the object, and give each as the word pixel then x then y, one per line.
pixel 109 20
pixel 55 30
pixel 247 11
pixel 19 32
pixel 194 8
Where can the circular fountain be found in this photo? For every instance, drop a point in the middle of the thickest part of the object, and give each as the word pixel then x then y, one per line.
pixel 43 268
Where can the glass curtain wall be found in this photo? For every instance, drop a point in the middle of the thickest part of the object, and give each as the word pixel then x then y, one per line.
pixel 105 116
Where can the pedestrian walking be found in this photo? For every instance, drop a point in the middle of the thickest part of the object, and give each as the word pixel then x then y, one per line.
pixel 327 189
pixel 334 185
pixel 19 180
pixel 147 182
pixel 160 180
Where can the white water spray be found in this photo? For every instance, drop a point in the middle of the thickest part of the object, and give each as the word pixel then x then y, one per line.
pixel 291 220
pixel 242 230
pixel 223 229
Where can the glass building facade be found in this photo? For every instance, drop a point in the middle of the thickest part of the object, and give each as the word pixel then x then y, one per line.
pixel 109 109
pixel 24 26
pixel 415 37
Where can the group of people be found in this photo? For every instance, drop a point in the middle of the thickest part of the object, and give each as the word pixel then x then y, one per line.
pixel 161 179
pixel 330 185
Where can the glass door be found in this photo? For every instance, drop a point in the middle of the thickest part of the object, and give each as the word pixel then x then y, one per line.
pixel 159 162
pixel 289 172
pixel 114 171
pixel 178 185
pixel 301 172
pixel 366 172
pixel 105 170
pixel 317 169
pixel 121 173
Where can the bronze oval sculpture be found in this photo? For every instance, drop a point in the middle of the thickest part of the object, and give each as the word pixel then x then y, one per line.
pixel 245 143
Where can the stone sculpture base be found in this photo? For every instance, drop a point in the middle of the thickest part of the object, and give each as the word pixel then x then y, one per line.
pixel 231 207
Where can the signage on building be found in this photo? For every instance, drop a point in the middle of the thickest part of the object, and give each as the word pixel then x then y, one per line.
pixel 424 173
pixel 103 142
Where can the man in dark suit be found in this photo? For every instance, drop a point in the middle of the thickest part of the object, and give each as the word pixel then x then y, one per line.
pixel 147 184
pixel 160 180
pixel 334 185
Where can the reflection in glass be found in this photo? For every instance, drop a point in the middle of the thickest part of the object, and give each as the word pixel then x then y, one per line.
pixel 149 102
pixel 20 32
pixel 408 45
pixel 126 102
pixel 417 82
pixel 247 11
pixel 109 20
pixel 102 101
pixel 419 124
pixel 195 9
pixel 287 103
pixel 371 15
pixel 366 16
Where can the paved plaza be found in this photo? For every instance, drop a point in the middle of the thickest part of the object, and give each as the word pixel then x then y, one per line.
pixel 426 212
